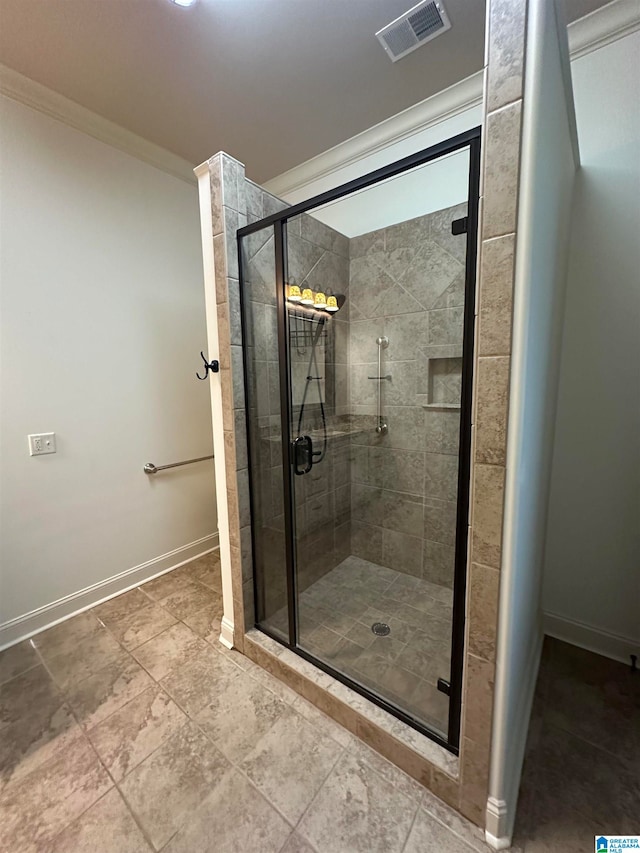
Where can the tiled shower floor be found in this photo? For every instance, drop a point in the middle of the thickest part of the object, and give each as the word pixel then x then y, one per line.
pixel 336 615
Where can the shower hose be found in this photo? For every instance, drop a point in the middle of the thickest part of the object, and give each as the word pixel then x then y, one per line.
pixel 313 365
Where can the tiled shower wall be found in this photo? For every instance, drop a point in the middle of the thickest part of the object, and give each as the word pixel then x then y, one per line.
pixel 407 282
pixel 390 499
pixel 317 258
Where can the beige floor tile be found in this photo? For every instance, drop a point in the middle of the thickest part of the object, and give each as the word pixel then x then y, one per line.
pixel 275 685
pixel 556 826
pixel 199 681
pixel 239 715
pixel 205 623
pixel 35 724
pixel 205 570
pixel 167 584
pixel 234 819
pixel 297 844
pixel 455 822
pixel 171 649
pixel 42 734
pixel 592 704
pixel 408 786
pixel 168 786
pixel 95 651
pixel 136 627
pixel 122 605
pixel 290 763
pixel 63 638
pixel 322 723
pixel 190 599
pixel 37 808
pixel 136 730
pixel 101 694
pixel 17 659
pixel 358 811
pixel 106 827
pixel 576 773
pixel 56 796
pixel 428 834
pixel 26 693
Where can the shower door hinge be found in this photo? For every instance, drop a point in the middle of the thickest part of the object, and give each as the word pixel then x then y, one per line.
pixel 460 226
pixel 444 686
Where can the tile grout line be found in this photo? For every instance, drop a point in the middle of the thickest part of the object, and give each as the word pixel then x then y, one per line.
pixel 233 764
pixel 114 784
pixel 415 817
pixel 339 757
pixel 452 831
pixel 344 750
pixel 63 691
pixel 188 719
pixel 85 734
pixel 22 671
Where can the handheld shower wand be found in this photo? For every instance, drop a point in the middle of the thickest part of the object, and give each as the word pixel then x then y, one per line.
pixel 311 370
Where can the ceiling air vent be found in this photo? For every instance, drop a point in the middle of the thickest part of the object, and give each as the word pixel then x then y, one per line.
pixel 417 26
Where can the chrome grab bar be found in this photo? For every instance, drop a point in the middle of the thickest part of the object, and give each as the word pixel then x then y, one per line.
pixel 383 343
pixel 150 468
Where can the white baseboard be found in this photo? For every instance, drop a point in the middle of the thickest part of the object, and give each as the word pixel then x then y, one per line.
pixel 498 816
pixel 27 625
pixel 226 633
pixel 614 646
pixel 500 813
pixel 498 810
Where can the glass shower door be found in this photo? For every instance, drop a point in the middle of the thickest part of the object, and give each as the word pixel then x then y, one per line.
pixel 358 321
pixel 264 427
pixel 375 396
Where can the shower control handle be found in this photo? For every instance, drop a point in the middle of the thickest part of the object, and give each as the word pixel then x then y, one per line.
pixel 302 455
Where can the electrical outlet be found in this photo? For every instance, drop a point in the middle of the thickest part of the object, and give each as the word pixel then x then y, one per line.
pixel 44 442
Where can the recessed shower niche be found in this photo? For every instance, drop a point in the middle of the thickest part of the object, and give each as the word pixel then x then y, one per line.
pixel 357 311
pixel 440 376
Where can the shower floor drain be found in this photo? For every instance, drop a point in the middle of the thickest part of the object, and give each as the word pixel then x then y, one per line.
pixel 380 629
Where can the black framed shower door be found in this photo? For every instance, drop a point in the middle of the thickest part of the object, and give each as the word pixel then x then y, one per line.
pixel 302 431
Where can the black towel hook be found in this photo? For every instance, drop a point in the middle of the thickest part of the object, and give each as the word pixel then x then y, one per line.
pixel 213 366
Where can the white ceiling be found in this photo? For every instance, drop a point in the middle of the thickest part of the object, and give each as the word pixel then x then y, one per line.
pixel 273 82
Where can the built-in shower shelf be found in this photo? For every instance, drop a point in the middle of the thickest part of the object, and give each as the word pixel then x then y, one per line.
pixel 318 434
pixel 337 433
pixel 454 406
pixel 439 376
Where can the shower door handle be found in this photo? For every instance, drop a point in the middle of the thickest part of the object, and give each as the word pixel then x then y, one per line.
pixel 302 455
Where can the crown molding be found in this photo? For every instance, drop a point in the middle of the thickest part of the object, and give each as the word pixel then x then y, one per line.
pixel 26 91
pixel 439 107
pixel 600 28
pixel 605 25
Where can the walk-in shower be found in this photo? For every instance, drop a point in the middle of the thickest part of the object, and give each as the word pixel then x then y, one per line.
pixel 357 316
